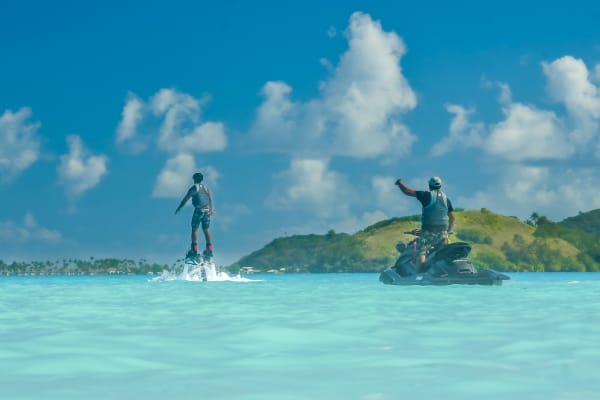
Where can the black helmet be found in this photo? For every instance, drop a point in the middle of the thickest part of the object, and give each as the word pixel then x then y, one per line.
pixel 198 177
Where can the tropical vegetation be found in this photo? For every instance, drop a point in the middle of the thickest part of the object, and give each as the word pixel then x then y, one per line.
pixel 498 242
pixel 110 266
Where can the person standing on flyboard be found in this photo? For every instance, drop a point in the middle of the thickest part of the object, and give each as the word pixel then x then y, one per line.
pixel 203 209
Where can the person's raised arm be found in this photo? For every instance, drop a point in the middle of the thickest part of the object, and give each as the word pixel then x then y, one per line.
pixel 405 189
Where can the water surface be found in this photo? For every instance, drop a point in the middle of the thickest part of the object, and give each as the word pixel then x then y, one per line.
pixel 320 336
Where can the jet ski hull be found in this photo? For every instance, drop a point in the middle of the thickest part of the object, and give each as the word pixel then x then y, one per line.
pixel 482 277
pixel 448 265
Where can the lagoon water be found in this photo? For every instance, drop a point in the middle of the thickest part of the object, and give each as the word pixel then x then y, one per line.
pixel 329 336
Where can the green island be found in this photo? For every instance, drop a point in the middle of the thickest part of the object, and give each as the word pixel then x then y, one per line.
pixel 499 242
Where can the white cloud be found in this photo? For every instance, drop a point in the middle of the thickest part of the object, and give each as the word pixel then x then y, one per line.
pixel 128 128
pixel 173 119
pixel 309 185
pixel 569 82
pixel 552 191
pixel 596 73
pixel 525 133
pixel 329 201
pixel 353 224
pixel 358 112
pixel 181 129
pixel 19 143
pixel 463 132
pixel 79 171
pixel 505 93
pixel 387 196
pixel 130 118
pixel 528 133
pixel 29 230
pixel 175 178
pixel 211 175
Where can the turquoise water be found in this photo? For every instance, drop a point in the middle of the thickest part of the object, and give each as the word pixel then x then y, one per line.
pixel 330 336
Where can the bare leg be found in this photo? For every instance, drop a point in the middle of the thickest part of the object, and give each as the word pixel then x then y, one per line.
pixel 206 237
pixel 195 238
pixel 420 262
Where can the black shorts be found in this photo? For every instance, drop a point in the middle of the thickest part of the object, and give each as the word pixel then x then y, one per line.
pixel 200 217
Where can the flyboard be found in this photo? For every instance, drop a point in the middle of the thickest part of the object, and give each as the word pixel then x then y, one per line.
pixel 198 269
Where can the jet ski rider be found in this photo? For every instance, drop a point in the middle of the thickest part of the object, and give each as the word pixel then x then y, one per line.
pixel 437 217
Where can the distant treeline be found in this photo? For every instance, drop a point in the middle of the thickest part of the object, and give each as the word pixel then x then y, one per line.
pixel 499 242
pixel 106 266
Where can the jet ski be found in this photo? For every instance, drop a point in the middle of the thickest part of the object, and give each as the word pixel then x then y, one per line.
pixel 446 265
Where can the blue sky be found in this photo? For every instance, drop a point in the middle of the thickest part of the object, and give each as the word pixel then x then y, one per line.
pixel 301 115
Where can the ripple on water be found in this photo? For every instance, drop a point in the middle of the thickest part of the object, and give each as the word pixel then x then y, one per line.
pixel 342 336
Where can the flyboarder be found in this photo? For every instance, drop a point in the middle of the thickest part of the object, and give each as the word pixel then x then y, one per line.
pixel 203 209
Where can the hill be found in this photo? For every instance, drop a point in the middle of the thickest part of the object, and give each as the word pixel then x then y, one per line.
pixel 588 222
pixel 500 242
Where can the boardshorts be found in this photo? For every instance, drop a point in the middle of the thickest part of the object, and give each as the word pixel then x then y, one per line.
pixel 429 240
pixel 201 216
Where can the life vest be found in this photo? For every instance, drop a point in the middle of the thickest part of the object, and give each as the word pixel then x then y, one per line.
pixel 200 199
pixel 435 214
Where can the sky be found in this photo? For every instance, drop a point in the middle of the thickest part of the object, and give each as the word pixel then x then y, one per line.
pixel 300 114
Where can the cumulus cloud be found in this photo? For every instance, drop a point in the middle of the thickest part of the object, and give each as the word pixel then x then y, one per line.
pixel 596 73
pixel 330 201
pixel 19 143
pixel 358 111
pixel 173 120
pixel 309 185
pixel 387 196
pixel 174 179
pixel 176 176
pixel 353 224
pixel 531 147
pixel 463 133
pixel 80 171
pixel 570 83
pixel 550 190
pixel 505 93
pixel 131 116
pixel 528 133
pixel 28 230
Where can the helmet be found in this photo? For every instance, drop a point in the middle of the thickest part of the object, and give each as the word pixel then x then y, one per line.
pixel 435 183
pixel 198 177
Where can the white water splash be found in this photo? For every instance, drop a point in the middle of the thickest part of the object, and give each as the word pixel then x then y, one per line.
pixel 205 271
